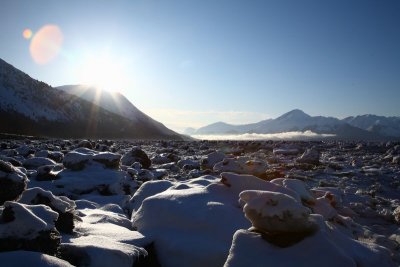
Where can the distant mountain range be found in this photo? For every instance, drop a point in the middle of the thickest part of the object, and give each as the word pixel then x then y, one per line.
pixel 364 127
pixel 31 107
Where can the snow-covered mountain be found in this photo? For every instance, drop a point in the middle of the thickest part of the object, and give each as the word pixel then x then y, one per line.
pixel 297 120
pixel 114 102
pixel 386 126
pixel 32 107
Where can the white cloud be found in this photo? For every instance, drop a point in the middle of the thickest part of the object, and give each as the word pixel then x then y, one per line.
pixel 179 120
pixel 275 136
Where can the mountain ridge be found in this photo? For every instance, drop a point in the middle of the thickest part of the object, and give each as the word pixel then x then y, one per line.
pixel 368 127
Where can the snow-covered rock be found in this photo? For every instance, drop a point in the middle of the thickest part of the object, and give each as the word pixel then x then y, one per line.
pixel 75 161
pixel 94 178
pixel 239 183
pixel 274 212
pixel 299 187
pixel 310 156
pixel 192 223
pixel 36 162
pixel 105 238
pixel 146 190
pixel 60 204
pixel 29 227
pixel 242 165
pixel 79 158
pixel 322 206
pixel 212 159
pixel 327 247
pixel 57 156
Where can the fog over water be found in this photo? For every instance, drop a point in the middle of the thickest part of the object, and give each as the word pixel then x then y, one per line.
pixel 297 135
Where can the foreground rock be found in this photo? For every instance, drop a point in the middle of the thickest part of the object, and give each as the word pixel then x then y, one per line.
pixel 280 218
pixel 60 204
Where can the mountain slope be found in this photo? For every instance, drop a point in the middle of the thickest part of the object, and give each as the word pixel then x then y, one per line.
pixel 31 107
pixel 114 102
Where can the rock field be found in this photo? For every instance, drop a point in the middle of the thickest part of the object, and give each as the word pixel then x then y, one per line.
pixel 200 203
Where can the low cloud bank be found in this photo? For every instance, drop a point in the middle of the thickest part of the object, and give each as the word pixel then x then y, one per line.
pixel 255 136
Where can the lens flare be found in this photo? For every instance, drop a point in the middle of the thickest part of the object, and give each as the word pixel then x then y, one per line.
pixel 46 44
pixel 27 34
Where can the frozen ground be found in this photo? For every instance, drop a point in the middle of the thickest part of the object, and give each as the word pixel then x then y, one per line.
pixel 208 203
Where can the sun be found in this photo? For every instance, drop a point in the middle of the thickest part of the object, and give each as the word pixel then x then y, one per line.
pixel 103 72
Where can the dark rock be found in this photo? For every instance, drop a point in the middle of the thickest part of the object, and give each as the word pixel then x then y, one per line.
pixel 86 144
pixel 75 161
pixel 46 242
pixel 149 260
pixel 48 172
pixel 136 155
pixel 284 240
pixel 108 159
pixel 12 182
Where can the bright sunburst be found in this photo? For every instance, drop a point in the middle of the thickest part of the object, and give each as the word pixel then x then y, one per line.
pixel 103 72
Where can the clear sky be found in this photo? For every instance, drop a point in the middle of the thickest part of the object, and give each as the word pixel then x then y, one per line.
pixel 191 63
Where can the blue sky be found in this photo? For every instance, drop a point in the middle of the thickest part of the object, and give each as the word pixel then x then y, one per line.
pixel 191 63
